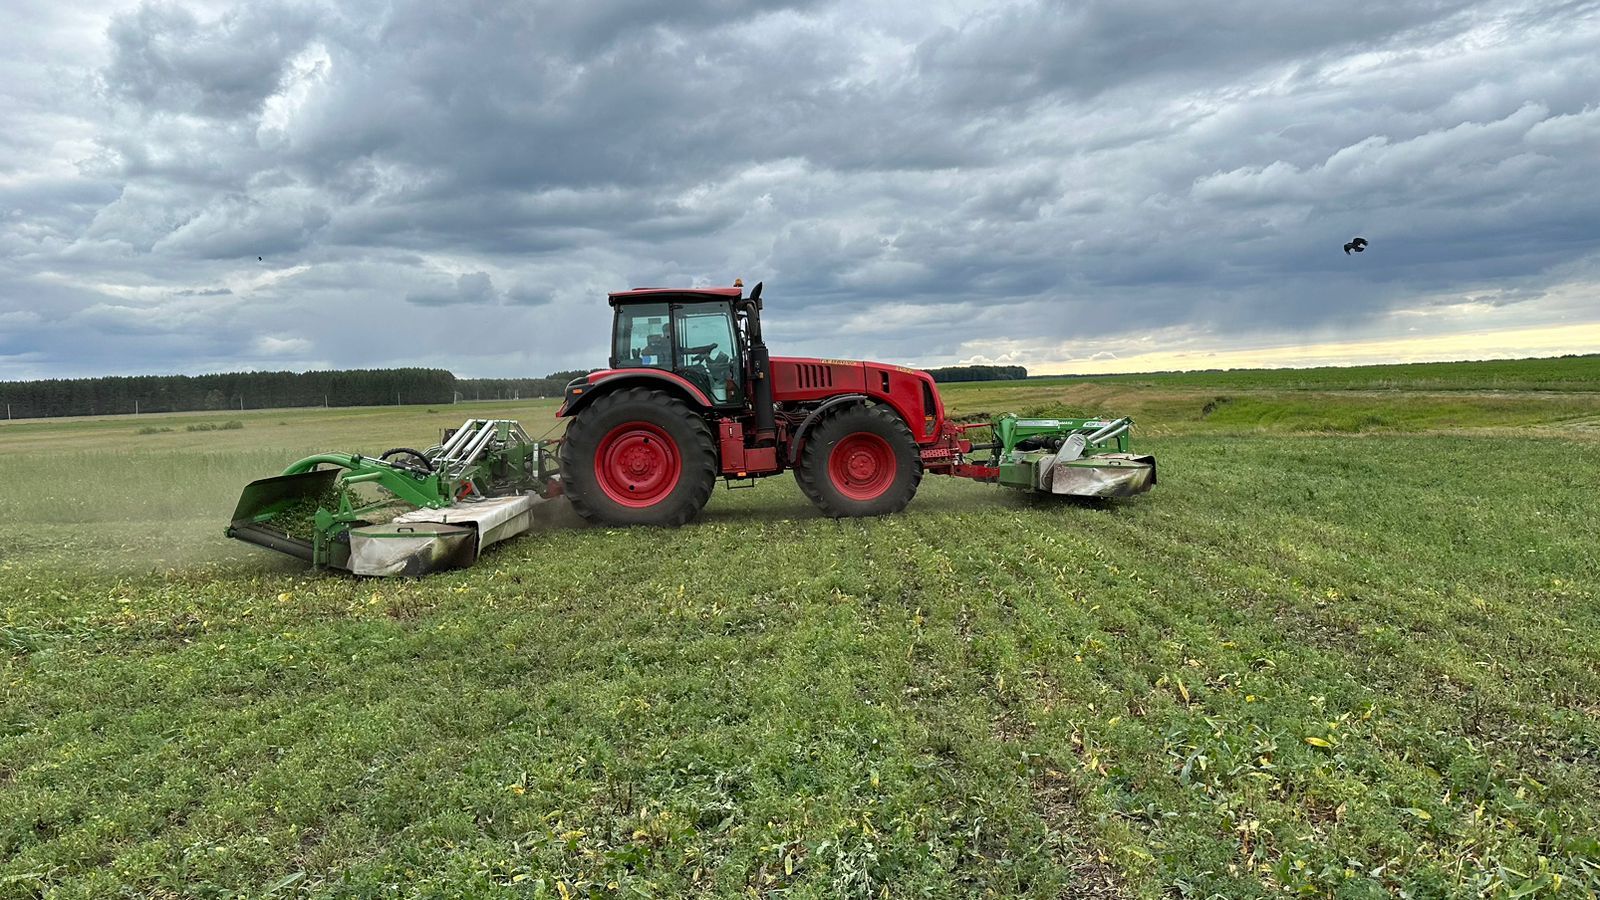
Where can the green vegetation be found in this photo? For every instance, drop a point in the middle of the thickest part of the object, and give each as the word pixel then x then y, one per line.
pixel 978 373
pixel 233 390
pixel 1562 373
pixel 382 387
pixel 552 385
pixel 1349 646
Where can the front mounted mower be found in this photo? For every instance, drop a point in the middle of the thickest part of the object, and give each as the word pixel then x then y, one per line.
pixel 692 395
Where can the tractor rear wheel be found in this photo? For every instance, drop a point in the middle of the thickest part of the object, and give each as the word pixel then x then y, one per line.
pixel 860 461
pixel 638 457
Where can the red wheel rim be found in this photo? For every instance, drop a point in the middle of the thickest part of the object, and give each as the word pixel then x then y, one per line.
pixel 637 464
pixel 861 466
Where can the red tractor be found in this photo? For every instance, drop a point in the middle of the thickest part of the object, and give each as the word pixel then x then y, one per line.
pixel 692 396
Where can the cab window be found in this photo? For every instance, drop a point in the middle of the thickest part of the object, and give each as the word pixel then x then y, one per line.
pixel 642 338
pixel 707 354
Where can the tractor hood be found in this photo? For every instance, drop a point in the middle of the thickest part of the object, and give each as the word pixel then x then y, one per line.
pixel 911 392
pixel 845 374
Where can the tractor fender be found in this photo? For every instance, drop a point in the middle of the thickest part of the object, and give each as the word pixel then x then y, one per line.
pixel 583 391
pixel 800 433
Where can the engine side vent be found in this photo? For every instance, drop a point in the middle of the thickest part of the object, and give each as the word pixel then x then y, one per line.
pixel 814 376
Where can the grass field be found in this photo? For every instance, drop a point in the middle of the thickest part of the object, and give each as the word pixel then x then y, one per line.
pixel 1349 647
pixel 1566 373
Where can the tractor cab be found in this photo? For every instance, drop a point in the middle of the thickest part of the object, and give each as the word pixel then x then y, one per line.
pixel 695 334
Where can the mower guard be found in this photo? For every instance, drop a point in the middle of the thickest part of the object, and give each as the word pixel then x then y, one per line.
pixel 1104 475
pixel 266 497
pixel 429 540
pixel 411 549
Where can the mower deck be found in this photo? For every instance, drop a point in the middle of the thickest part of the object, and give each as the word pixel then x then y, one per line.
pixel 1106 475
pixel 428 540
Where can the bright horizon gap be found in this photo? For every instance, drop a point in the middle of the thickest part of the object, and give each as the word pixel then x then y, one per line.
pixel 1546 341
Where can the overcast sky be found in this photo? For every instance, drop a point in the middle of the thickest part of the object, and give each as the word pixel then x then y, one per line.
pixel 1070 186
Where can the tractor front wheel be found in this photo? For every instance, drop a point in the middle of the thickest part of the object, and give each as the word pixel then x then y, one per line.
pixel 638 457
pixel 860 461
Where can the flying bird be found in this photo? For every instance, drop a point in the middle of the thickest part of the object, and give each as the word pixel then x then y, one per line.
pixel 1359 245
pixel 258 259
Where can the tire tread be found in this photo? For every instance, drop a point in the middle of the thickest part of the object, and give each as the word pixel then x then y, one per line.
pixel 699 460
pixel 812 472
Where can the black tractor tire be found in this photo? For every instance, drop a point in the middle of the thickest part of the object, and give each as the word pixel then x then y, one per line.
pixel 638 457
pixel 807 485
pixel 859 461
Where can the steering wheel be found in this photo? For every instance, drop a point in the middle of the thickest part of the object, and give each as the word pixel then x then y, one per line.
pixel 702 350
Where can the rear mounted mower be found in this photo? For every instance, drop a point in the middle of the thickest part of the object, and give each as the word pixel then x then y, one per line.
pixel 406 512
pixel 1072 457
pixel 691 396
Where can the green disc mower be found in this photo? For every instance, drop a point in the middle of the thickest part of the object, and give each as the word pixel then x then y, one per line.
pixel 404 512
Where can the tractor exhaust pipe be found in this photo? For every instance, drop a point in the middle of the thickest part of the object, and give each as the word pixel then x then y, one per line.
pixel 760 377
pixel 760 368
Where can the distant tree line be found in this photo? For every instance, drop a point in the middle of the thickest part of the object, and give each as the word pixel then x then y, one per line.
pixel 978 373
pixel 115 395
pixel 118 395
pixel 552 385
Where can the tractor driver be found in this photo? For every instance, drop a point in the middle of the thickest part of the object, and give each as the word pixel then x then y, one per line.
pixel 657 351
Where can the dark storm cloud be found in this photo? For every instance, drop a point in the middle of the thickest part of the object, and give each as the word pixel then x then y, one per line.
pixel 474 287
pixel 588 27
pixel 1017 52
pixel 164 58
pixel 917 182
